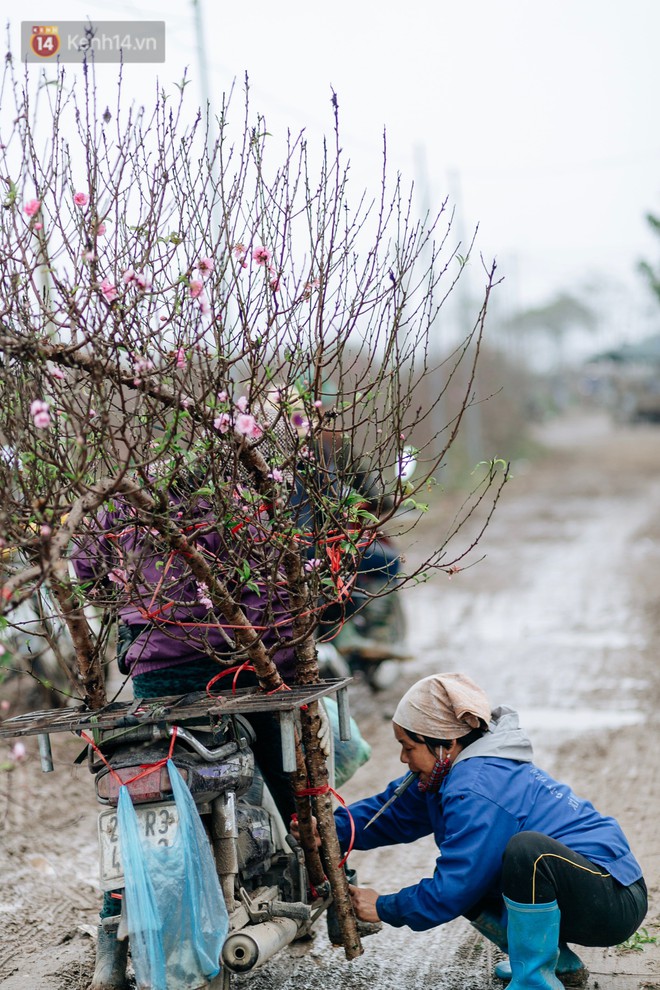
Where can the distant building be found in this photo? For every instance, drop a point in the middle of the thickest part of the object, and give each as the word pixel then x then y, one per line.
pixel 626 380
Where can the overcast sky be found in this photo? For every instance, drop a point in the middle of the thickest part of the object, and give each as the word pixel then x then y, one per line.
pixel 537 117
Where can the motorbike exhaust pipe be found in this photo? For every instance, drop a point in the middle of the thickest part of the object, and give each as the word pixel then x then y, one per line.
pixel 253 946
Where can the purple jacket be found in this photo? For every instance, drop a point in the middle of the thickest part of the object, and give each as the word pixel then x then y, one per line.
pixel 162 594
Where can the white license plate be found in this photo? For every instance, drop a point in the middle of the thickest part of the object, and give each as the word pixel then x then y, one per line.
pixel 158 824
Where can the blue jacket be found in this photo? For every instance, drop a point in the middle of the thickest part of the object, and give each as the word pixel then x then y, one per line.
pixel 485 799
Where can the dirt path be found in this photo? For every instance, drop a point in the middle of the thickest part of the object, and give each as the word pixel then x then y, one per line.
pixel 560 620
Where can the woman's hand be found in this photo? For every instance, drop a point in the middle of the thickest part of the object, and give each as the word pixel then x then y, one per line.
pixel 362 898
pixel 364 903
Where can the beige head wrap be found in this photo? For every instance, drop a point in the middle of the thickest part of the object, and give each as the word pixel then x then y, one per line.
pixel 443 706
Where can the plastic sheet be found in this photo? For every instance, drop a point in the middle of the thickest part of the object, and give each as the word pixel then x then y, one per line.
pixel 175 911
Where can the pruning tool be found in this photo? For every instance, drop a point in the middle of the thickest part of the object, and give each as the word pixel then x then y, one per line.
pixel 403 786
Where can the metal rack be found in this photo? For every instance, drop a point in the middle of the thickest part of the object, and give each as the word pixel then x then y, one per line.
pixel 180 708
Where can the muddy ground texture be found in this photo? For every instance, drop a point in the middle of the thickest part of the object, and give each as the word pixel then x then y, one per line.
pixel 560 620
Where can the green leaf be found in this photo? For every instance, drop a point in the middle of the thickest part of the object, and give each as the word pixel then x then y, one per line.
pixel 367 516
pixel 411 503
pixel 12 194
pixel 640 938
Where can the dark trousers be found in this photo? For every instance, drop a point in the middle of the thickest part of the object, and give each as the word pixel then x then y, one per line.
pixel 595 908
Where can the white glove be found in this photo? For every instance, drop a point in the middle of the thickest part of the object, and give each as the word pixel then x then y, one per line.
pixel 324 735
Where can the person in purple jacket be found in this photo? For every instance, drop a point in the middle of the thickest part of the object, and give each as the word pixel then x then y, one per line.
pixel 172 641
pixel 168 622
pixel 529 863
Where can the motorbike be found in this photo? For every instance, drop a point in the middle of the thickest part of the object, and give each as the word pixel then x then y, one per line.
pixel 260 867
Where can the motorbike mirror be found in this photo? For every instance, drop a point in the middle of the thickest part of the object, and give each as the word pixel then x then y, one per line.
pixel 407 463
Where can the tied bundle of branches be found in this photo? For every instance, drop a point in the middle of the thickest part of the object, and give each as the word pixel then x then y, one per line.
pixel 201 352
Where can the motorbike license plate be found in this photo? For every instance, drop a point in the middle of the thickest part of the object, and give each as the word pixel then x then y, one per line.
pixel 158 824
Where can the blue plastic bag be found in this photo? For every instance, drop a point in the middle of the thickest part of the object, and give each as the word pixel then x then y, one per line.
pixel 350 754
pixel 175 912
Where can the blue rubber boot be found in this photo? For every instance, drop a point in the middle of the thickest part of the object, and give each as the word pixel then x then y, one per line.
pixel 571 971
pixel 533 937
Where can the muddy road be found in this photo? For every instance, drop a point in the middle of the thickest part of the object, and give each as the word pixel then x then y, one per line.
pixel 561 620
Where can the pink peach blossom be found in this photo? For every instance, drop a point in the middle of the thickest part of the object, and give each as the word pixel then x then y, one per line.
pixel 40 412
pixel 108 289
pixel 222 422
pixel 18 751
pixel 203 595
pixel 205 266
pixel 81 199
pixel 307 290
pixel 100 229
pixel 142 365
pixel 38 226
pixel 261 255
pixel 196 287
pixel 32 207
pixel 242 403
pixel 118 576
pixel 180 358
pixel 247 426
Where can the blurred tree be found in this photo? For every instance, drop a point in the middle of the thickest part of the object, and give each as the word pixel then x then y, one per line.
pixel 651 274
pixel 556 319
